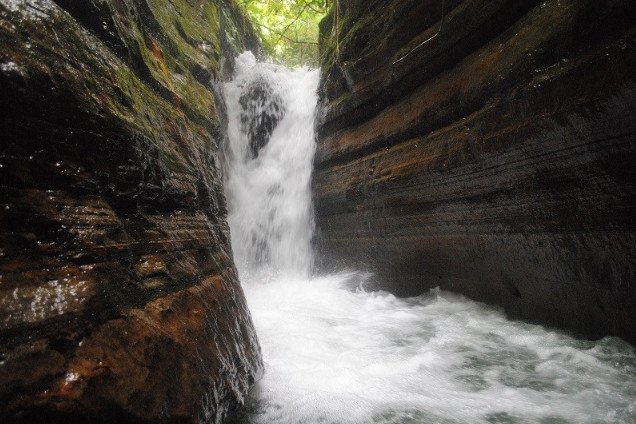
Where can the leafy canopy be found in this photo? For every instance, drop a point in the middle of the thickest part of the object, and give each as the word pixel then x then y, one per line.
pixel 289 28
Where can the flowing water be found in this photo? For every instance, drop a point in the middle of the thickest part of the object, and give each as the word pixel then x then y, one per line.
pixel 335 353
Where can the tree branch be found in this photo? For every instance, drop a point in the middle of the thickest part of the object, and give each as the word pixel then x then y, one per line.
pixel 291 40
pixel 290 24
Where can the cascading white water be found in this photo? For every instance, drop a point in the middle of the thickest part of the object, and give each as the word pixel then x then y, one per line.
pixel 269 195
pixel 334 354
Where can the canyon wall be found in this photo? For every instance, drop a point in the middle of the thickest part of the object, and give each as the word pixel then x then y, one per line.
pixel 119 299
pixel 485 147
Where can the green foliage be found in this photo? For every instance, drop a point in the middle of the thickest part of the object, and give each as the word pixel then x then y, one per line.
pixel 289 28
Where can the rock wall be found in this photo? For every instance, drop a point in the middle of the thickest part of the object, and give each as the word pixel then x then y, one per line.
pixel 119 299
pixel 495 160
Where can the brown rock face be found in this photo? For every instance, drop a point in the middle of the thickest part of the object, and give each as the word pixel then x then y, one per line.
pixel 119 300
pixel 495 160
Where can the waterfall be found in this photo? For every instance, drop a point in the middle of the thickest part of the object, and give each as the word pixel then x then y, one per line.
pixel 337 354
pixel 270 155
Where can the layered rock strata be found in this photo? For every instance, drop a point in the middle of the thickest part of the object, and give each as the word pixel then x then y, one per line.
pixel 119 299
pixel 485 147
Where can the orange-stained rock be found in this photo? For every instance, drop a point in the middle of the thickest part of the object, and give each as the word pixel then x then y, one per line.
pixel 119 300
pixel 495 160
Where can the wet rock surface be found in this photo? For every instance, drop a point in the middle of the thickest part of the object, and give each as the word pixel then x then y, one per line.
pixel 119 299
pixel 262 110
pixel 494 160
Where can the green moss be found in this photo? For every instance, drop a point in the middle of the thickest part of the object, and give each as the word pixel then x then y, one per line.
pixel 173 40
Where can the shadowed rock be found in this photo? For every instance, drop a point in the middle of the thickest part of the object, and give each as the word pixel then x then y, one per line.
pixel 262 110
pixel 119 300
pixel 495 160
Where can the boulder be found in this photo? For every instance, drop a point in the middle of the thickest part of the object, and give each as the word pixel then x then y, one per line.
pixel 261 111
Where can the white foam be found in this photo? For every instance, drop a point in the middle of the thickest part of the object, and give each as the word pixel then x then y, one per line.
pixel 336 356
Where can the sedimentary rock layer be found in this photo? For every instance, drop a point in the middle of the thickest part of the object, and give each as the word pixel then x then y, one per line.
pixel 119 299
pixel 495 159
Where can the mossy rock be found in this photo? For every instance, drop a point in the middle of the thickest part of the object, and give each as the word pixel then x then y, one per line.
pixel 119 296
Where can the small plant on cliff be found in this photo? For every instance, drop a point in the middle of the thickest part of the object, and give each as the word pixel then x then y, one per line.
pixel 289 28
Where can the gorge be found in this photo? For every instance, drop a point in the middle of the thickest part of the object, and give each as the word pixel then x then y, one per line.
pixel 447 153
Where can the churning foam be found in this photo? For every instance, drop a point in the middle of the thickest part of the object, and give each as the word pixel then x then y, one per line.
pixel 337 354
pixel 334 355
